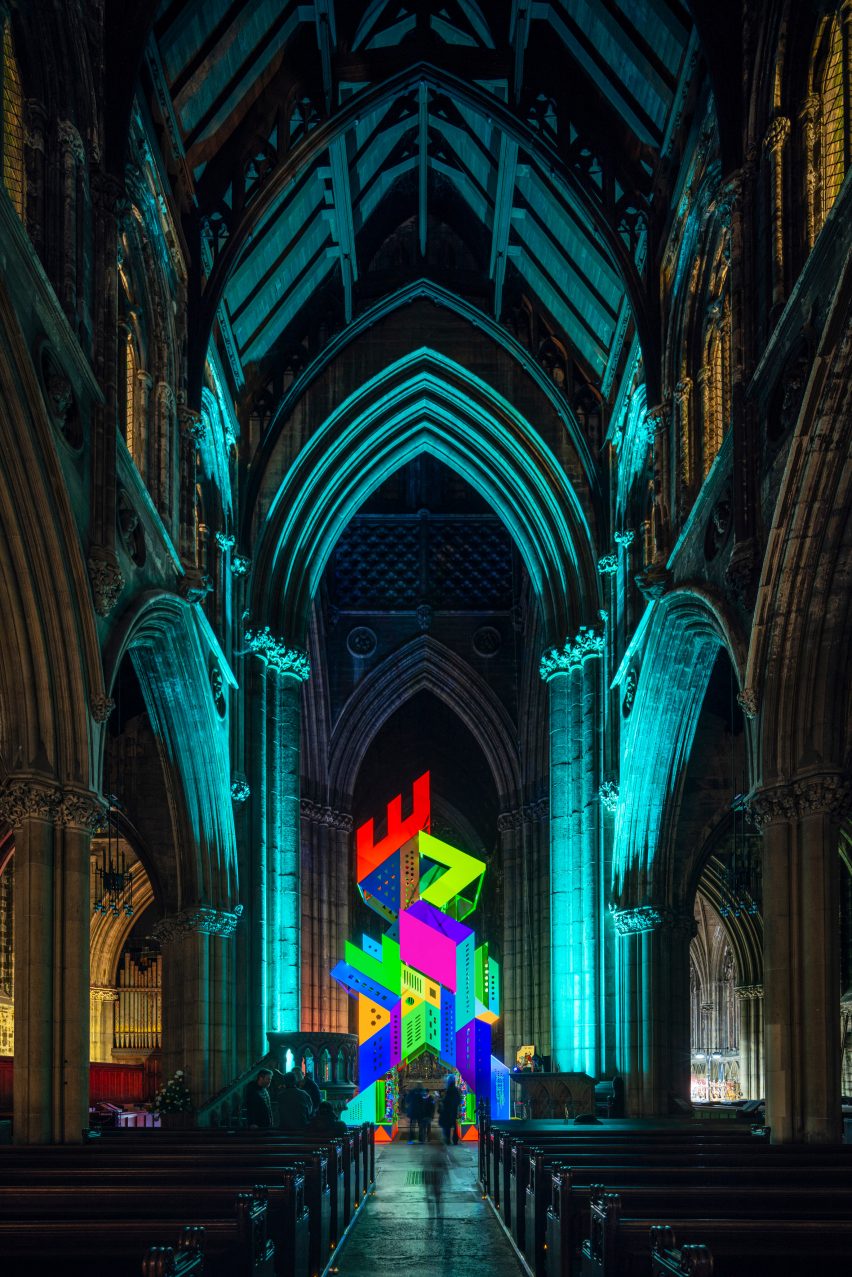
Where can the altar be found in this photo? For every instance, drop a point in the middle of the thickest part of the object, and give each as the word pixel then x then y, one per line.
pixel 554 1095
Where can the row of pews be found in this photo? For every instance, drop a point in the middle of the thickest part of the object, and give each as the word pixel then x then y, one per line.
pixel 183 1203
pixel 626 1198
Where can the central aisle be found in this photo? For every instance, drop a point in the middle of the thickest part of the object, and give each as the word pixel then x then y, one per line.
pixel 400 1230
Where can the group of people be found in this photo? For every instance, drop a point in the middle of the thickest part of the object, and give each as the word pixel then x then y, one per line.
pixel 420 1107
pixel 299 1102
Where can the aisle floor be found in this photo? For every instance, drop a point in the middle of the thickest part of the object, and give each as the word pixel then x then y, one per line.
pixel 404 1231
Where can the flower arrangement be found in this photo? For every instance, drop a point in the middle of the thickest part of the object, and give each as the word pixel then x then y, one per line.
pixel 174 1097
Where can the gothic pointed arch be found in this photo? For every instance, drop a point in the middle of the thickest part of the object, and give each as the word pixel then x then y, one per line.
pixel 686 630
pixel 424 403
pixel 425 664
pixel 173 652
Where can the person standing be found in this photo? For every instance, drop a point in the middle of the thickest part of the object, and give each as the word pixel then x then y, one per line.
pixel 424 1116
pixel 258 1103
pixel 449 1114
pixel 294 1106
pixel 310 1088
pixel 411 1106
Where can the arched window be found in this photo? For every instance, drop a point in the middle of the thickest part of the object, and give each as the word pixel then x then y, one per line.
pixel 13 127
pixel 827 120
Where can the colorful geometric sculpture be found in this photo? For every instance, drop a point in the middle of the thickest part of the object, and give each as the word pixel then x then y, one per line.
pixel 425 986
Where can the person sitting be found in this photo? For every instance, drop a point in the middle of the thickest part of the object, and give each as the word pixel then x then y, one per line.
pixel 294 1107
pixel 326 1122
pixel 258 1103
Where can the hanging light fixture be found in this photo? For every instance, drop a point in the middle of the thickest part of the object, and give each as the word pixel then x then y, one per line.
pixel 113 879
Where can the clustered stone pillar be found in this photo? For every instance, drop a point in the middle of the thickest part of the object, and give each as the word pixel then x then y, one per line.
pixel 326 885
pixel 525 983
pixel 280 912
pixel 198 996
pixel 573 676
pixel 53 829
pixel 776 136
pixel 800 821
pixel 652 976
pixel 750 1000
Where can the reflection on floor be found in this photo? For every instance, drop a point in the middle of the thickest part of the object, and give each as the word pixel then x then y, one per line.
pixel 426 1215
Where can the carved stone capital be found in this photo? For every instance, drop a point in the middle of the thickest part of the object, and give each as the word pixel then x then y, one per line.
pixel 240 789
pixel 655 581
pixel 607 564
pixel 225 540
pixel 829 794
pixel 658 418
pixel 625 538
pixel 191 423
pixel 103 993
pixel 749 992
pixel 608 794
pixel 683 390
pixel 526 814
pixel 240 564
pixel 105 579
pixel 747 701
pixel 101 707
pixel 277 655
pixel 81 811
pixel 70 142
pixel 650 918
pixel 328 816
pixel 561 660
pixel 27 798
pixel 201 920
pixel 777 134
pixel 810 110
pixel 194 586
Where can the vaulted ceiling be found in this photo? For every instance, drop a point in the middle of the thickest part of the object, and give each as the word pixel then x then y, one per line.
pixel 327 154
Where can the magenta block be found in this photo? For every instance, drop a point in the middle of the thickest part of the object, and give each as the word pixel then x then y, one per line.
pixel 428 940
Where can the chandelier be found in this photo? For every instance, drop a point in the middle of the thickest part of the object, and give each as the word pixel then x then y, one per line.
pixel 113 879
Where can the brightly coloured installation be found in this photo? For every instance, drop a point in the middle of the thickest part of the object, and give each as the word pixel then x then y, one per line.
pixel 426 986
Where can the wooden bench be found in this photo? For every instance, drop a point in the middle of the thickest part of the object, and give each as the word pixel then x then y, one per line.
pixel 287 1215
pixel 786 1247
pixel 237 1247
pixel 47 1166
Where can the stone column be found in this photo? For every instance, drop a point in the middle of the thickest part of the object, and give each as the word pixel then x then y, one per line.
pixel 102 1003
pixel 750 1000
pixel 34 160
pixel 198 980
pixel 52 913
pixel 773 143
pixel 106 579
pixel 286 669
pixel 808 117
pixel 524 1005
pixel 800 821
pixel 683 399
pixel 710 440
pixel 192 431
pixel 572 675
pixel 652 964
pixel 325 912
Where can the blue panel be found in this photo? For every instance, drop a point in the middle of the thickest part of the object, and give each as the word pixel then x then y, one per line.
pixel 383 882
pixel 374 1057
pixel 448 1027
pixel 356 982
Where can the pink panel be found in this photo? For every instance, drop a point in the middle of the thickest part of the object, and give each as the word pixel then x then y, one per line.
pixel 423 947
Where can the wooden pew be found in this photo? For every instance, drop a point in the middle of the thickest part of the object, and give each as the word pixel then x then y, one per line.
pixel 785 1247
pixel 237 1247
pixel 46 1165
pixel 287 1215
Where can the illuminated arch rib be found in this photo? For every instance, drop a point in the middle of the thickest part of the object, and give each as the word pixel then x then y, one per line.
pixel 425 403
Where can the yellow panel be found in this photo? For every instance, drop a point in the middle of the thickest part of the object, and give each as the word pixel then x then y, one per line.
pixel 371 1018
pixel 410 1002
